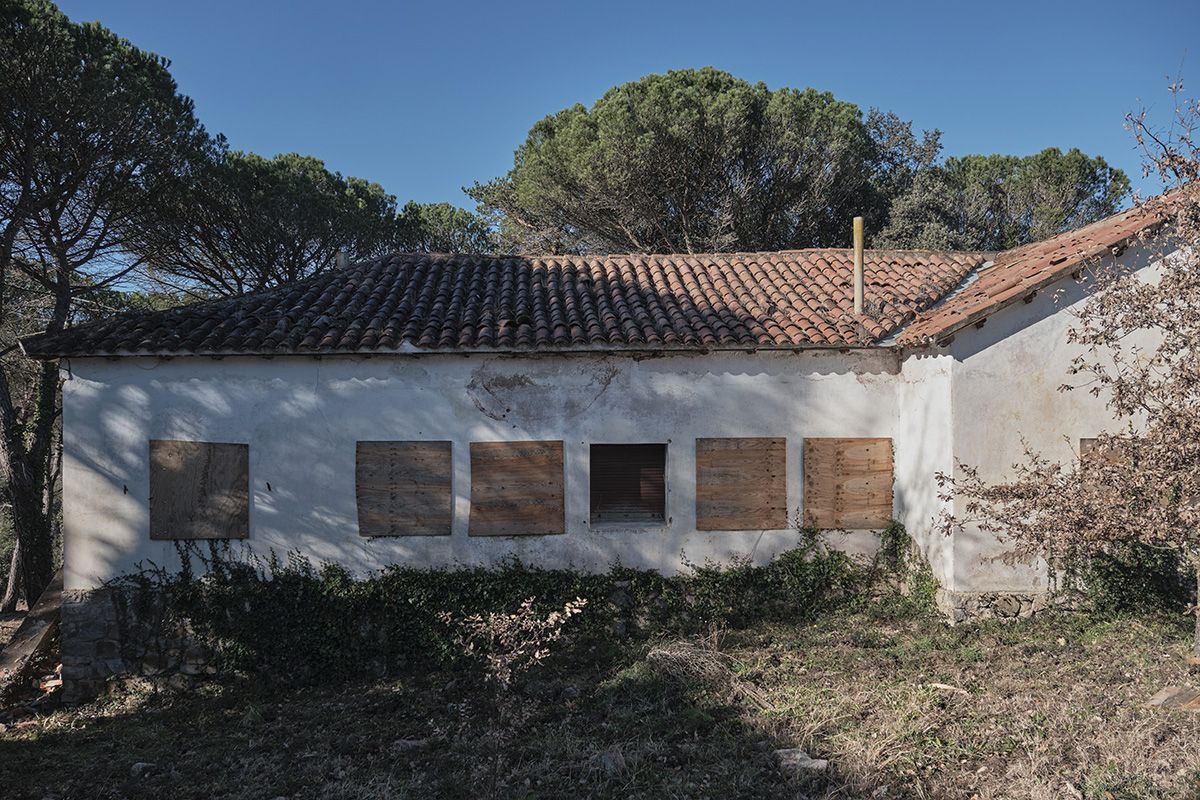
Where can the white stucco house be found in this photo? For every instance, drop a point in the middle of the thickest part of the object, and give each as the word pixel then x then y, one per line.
pixel 571 411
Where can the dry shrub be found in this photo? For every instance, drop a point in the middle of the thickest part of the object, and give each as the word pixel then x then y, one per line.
pixel 701 662
pixel 1136 338
pixel 511 644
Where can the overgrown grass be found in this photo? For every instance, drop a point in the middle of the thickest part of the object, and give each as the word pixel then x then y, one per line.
pixel 288 620
pixel 1048 708
pixel 689 696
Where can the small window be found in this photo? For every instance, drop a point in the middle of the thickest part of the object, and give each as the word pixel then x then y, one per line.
pixel 628 483
pixel 199 490
pixel 1090 451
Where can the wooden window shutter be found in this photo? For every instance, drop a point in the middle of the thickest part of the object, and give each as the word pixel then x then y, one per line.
pixel 517 488
pixel 1090 450
pixel 628 482
pixel 403 488
pixel 741 484
pixel 199 490
pixel 847 483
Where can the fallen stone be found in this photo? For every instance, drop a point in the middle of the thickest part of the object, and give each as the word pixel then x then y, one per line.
pixel 410 744
pixel 797 760
pixel 613 762
pixel 141 769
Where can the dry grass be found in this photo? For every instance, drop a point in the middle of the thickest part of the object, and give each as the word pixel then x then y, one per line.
pixel 1045 709
pixel 901 707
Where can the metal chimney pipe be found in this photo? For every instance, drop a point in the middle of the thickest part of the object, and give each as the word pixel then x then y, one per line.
pixel 858 265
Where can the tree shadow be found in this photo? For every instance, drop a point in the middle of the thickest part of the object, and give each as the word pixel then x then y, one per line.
pixel 602 722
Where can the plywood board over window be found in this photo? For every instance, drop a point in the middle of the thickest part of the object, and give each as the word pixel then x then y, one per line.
pixel 741 484
pixel 1090 450
pixel 517 488
pixel 403 488
pixel 199 490
pixel 847 483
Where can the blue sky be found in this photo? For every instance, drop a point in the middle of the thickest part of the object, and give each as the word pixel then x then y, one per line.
pixel 426 98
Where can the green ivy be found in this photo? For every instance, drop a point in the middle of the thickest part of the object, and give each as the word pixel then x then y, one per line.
pixel 292 620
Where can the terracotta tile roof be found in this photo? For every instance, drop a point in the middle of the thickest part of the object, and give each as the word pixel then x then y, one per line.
pixel 406 303
pixel 1016 274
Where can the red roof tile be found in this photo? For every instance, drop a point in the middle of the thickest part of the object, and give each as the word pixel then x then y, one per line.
pixel 1017 273
pixel 433 303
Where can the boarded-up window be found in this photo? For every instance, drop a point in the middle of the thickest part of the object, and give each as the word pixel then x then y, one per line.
pixel 516 488
pixel 403 488
pixel 199 490
pixel 741 484
pixel 1090 450
pixel 847 483
pixel 628 482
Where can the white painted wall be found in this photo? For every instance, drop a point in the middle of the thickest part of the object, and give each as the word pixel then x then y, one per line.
pixel 924 447
pixel 302 417
pixel 1005 390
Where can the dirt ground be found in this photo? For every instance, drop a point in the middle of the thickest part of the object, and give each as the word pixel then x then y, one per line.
pixel 1046 708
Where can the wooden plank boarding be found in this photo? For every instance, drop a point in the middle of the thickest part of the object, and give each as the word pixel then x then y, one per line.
pixel 1090 450
pixel 404 488
pixel 33 636
pixel 517 488
pixel 199 490
pixel 847 483
pixel 741 484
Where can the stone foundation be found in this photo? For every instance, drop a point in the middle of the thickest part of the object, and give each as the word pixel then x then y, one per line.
pixel 91 643
pixel 960 607
pixel 103 638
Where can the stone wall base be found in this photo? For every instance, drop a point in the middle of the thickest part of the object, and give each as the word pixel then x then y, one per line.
pixel 960 607
pixel 91 643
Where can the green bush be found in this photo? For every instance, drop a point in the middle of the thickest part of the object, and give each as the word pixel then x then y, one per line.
pixel 1134 577
pixel 291 620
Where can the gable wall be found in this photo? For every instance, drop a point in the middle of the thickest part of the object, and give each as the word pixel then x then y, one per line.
pixel 302 417
pixel 1005 390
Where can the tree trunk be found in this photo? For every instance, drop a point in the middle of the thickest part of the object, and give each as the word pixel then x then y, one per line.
pixel 12 587
pixel 22 466
pixel 26 446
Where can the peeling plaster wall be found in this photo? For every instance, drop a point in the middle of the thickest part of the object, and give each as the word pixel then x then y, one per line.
pixel 1006 380
pixel 302 417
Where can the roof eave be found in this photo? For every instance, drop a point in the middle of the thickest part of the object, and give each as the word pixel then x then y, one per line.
pixel 1084 260
pixel 492 351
